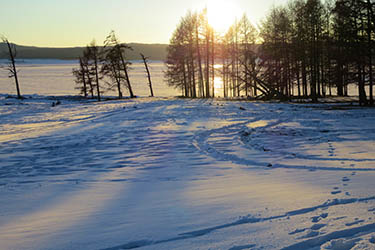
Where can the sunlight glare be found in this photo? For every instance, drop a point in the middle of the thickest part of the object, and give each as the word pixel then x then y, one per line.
pixel 222 14
pixel 218 83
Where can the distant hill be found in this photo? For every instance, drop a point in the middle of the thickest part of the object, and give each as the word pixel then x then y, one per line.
pixel 153 51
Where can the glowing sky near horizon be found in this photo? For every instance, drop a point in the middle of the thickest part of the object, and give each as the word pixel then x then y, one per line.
pixel 57 23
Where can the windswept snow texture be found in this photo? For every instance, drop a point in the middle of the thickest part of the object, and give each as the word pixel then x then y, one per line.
pixel 185 174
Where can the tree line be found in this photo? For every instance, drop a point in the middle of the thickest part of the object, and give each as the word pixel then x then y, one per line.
pixel 305 49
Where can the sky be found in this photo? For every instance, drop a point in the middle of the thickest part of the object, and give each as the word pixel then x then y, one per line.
pixel 69 23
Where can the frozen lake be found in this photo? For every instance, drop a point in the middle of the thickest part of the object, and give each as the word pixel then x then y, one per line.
pixel 54 77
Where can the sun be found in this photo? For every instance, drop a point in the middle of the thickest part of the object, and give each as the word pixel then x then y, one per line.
pixel 221 14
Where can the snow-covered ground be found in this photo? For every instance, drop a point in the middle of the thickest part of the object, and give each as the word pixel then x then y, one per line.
pixel 170 173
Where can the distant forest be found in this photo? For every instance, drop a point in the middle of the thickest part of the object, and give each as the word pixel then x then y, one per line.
pixel 154 52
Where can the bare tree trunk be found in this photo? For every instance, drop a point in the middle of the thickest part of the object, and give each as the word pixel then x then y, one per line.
pixel 340 79
pixel 190 77
pixel 12 54
pixel 97 76
pixel 298 79
pixel 255 90
pixel 83 77
pixel 304 78
pixel 369 10
pixel 84 85
pixel 193 85
pixel 207 61
pixel 192 65
pixel 148 74
pixel 213 62
pixel 118 81
pixel 361 86
pixel 237 61
pixel 125 68
pixel 185 80
pixel 89 81
pixel 201 85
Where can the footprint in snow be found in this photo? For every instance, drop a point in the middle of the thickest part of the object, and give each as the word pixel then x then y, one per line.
pixel 317 227
pixel 336 192
pixel 297 231
pixel 316 219
pixel 357 221
pixel 345 179
pixel 310 234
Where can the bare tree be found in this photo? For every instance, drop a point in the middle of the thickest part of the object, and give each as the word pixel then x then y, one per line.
pixel 92 54
pixel 148 73
pixel 12 53
pixel 80 75
pixel 112 66
pixel 118 50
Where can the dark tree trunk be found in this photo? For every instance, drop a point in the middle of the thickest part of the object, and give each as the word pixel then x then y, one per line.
pixel 201 87
pixel 97 76
pixel 83 77
pixel 118 81
pixel 369 22
pixel 125 68
pixel 14 69
pixel 207 62
pixel 185 80
pixel 148 74
pixel 213 62
pixel 361 86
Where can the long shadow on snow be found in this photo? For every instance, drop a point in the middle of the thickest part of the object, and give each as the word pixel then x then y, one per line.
pixel 252 220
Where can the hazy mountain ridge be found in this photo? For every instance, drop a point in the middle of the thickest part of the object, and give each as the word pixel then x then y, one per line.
pixel 153 51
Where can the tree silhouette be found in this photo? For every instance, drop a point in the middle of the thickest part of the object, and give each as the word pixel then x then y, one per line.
pixel 12 54
pixel 92 55
pixel 145 62
pixel 308 49
pixel 117 52
pixel 80 75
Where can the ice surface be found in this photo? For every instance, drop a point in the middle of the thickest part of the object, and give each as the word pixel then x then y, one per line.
pixel 54 77
pixel 166 173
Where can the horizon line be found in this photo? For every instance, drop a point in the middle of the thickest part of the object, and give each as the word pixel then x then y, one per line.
pixel 76 46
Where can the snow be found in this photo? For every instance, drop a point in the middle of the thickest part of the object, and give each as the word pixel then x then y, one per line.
pixel 169 173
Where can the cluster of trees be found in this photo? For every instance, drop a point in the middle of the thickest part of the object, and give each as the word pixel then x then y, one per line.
pixel 108 62
pixel 310 47
pixel 307 49
pixel 195 49
pixel 97 63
